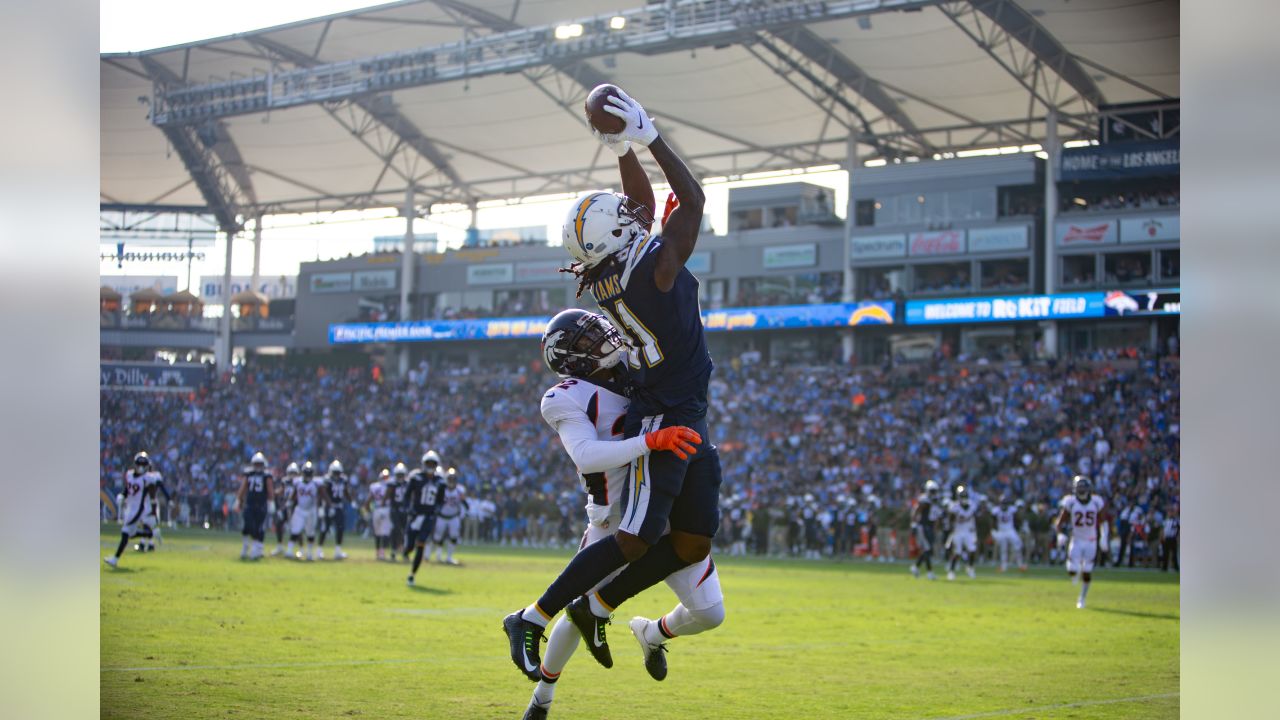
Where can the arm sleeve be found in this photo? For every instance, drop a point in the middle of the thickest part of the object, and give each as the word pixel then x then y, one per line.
pixel 591 454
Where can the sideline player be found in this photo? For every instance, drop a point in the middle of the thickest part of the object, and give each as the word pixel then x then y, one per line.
pixel 639 279
pixel 380 512
pixel 449 524
pixel 924 523
pixel 587 410
pixel 1006 532
pixel 282 498
pixel 424 492
pixel 963 540
pixel 255 488
pixel 308 493
pixel 335 511
pixel 1083 511
pixel 137 484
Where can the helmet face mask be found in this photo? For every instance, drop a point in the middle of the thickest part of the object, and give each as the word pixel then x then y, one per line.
pixel 577 343
pixel 431 460
pixel 259 461
pixel 308 470
pixel 141 462
pixel 1081 487
pixel 600 224
pixel 399 471
pixel 292 469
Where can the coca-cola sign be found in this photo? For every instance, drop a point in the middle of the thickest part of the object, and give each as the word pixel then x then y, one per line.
pixel 945 242
pixel 1087 233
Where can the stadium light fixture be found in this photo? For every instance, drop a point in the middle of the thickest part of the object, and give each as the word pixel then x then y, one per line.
pixel 617 22
pixel 567 32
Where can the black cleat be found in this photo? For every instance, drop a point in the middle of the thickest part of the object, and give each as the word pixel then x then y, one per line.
pixel 535 712
pixel 655 657
pixel 524 637
pixel 592 629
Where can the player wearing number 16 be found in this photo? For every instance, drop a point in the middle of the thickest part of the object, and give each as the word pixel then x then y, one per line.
pixel 640 282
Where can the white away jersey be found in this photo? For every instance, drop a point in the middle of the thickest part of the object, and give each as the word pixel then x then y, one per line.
pixel 451 506
pixel 378 493
pixel 583 414
pixel 1005 515
pixel 965 517
pixel 135 493
pixel 1083 516
pixel 307 492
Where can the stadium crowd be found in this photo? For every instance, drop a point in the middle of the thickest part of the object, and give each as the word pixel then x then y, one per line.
pixel 819 460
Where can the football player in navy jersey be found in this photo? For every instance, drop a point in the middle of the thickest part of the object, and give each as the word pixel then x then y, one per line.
pixel 640 282
pixel 255 488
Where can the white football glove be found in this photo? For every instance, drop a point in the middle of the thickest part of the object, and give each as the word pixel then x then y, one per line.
pixel 639 129
pixel 613 141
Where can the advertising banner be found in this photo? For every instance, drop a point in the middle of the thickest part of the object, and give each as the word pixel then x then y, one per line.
pixel 944 242
pixel 147 376
pixel 274 287
pixel 878 246
pixel 1129 159
pixel 1065 306
pixel 1153 228
pixel 332 282
pixel 754 318
pixel 790 256
pixel 376 280
pixel 491 274
pixel 998 239
pixel 127 284
pixel 1086 233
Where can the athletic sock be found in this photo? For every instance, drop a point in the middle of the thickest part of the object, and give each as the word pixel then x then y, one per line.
pixel 679 622
pixel 124 543
pixel 451 547
pixel 591 565
pixel 1084 590
pixel 417 561
pixel 657 563
pixel 535 615
pixel 561 644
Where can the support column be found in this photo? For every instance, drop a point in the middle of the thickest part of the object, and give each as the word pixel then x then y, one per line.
pixel 257 253
pixel 406 271
pixel 1049 328
pixel 222 345
pixel 847 293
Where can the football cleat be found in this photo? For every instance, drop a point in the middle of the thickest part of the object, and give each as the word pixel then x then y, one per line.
pixel 524 637
pixel 277 552
pixel 592 629
pixel 1080 604
pixel 535 712
pixel 969 571
pixel 951 574
pixel 655 660
pixel 915 571
pixel 931 576
pixel 409 582
pixel 111 560
pixel 339 555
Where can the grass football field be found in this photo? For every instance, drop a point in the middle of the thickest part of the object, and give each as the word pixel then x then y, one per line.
pixel 191 632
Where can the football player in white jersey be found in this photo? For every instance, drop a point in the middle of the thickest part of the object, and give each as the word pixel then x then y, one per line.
pixel 587 411
pixel 449 521
pixel 963 540
pixel 308 494
pixel 1006 533
pixel 380 512
pixel 1084 512
pixel 137 516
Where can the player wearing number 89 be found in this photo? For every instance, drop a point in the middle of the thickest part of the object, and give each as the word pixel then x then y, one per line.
pixel 1083 511
pixel 255 489
pixel 640 281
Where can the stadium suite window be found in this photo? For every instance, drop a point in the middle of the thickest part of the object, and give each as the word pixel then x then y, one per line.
pixel 1011 274
pixel 752 219
pixel 1079 270
pixel 1127 268
pixel 800 289
pixel 942 277
pixel 936 207
pixel 1170 265
pixel 880 283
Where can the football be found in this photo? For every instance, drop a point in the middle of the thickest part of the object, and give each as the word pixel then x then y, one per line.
pixel 597 118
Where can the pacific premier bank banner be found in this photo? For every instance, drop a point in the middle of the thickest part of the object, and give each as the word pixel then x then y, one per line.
pixel 753 318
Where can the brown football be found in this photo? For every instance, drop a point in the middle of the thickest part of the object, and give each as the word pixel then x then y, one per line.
pixel 597 101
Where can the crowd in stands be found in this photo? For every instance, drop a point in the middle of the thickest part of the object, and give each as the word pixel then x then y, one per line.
pixel 942 278
pixel 819 460
pixel 1119 200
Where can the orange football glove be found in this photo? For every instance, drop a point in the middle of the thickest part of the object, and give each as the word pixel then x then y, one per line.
pixel 678 439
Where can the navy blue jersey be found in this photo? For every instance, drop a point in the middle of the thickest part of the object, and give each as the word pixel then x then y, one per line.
pixel 337 490
pixel 670 362
pixel 255 495
pixel 425 492
pixel 399 496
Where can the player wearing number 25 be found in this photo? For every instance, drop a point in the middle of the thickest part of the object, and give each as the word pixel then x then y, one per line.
pixel 640 282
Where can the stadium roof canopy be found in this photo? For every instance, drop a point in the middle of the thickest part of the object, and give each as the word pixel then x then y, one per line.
pixel 474 100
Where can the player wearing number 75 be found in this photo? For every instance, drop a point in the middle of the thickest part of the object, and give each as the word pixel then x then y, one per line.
pixel 640 282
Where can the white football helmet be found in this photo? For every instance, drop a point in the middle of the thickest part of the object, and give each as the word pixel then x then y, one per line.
pixel 259 460
pixel 382 476
pixel 292 469
pixel 600 224
pixel 431 456
pixel 335 468
pixel 931 488
pixel 400 470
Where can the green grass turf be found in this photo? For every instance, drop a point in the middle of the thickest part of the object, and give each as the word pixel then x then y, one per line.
pixel 192 632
